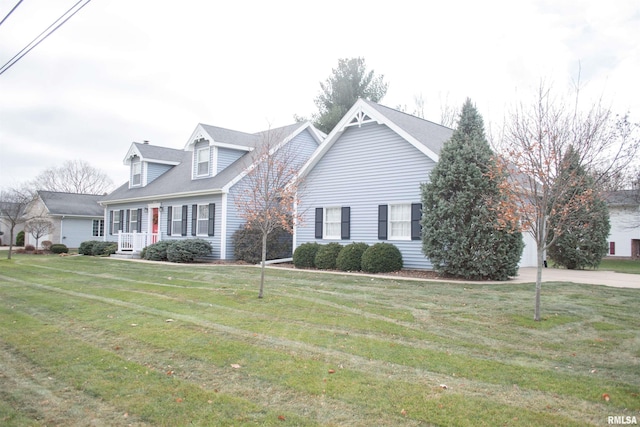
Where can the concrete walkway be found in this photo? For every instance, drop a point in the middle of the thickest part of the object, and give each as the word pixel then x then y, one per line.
pixel 597 277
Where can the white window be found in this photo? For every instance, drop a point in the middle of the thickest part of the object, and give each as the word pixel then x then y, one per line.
pixel 98 227
pixel 203 220
pixel 400 221
pixel 136 173
pixel 332 218
pixel 176 221
pixel 133 220
pixel 116 222
pixel 202 161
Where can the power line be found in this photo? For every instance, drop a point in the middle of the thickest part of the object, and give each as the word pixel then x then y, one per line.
pixel 18 56
pixel 10 12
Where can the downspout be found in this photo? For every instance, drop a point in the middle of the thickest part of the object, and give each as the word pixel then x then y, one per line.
pixel 61 229
pixel 223 227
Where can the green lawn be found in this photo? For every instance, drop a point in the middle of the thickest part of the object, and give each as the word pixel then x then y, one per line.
pixel 95 341
pixel 620 266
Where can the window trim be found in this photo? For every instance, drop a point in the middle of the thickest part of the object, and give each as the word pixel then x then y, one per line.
pixel 97 229
pixel 176 215
pixel 133 224
pixel 336 223
pixel 200 220
pixel 198 162
pixel 134 166
pixel 406 221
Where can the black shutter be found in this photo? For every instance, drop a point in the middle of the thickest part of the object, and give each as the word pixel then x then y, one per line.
pixel 319 220
pixel 125 227
pixel 110 222
pixel 194 219
pixel 212 218
pixel 185 209
pixel 139 224
pixel 121 219
pixel 416 216
pixel 382 222
pixel 169 217
pixel 345 223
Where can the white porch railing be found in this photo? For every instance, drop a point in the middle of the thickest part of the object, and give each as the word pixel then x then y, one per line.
pixel 135 242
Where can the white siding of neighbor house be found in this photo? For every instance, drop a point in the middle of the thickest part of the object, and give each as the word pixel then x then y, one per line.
pixel 305 146
pixel 625 227
pixel 366 167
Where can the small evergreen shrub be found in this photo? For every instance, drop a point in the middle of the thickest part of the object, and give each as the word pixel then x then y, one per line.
pixel 46 245
pixel 20 239
pixel 58 248
pixel 104 248
pixel 29 248
pixel 326 256
pixel 86 248
pixel 248 244
pixel 350 257
pixel 381 258
pixel 157 251
pixel 305 255
pixel 188 250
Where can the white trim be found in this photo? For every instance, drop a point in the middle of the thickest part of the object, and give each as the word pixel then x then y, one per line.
pixel 201 133
pixel 163 196
pixel 173 219
pixel 390 228
pixel 198 219
pixel 325 236
pixel 223 226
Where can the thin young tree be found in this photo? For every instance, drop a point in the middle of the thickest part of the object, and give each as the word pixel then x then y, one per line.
pixel 267 197
pixel 13 205
pixel 38 228
pixel 535 140
pixel 73 176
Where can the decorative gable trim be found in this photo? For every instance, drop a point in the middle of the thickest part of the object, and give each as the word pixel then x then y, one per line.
pixel 200 133
pixel 362 113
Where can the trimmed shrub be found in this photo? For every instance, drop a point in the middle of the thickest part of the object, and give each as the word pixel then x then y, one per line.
pixel 305 255
pixel 248 244
pixel 104 248
pixel 20 238
pixel 157 251
pixel 381 258
pixel 46 245
pixel 326 256
pixel 86 248
pixel 188 250
pixel 29 248
pixel 350 257
pixel 58 248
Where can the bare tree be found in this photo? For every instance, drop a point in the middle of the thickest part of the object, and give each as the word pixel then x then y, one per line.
pixel 13 204
pixel 74 176
pixel 38 228
pixel 448 113
pixel 535 141
pixel 267 199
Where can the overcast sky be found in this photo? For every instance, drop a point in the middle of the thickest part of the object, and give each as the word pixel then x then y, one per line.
pixel 133 70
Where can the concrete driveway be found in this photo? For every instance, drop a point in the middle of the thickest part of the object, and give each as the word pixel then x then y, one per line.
pixel 605 278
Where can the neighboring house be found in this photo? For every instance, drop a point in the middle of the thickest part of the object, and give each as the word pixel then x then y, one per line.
pixel 190 193
pixel 5 224
pixel 75 217
pixel 363 182
pixel 624 216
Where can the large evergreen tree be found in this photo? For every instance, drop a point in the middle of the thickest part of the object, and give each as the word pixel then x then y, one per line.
pixel 578 232
pixel 341 90
pixel 465 233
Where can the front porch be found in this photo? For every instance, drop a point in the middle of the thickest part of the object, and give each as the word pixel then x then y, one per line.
pixel 131 244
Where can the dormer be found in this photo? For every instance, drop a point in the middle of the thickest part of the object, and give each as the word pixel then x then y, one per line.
pixel 214 148
pixel 147 162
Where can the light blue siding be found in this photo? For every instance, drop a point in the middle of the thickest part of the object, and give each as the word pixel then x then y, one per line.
pixel 154 170
pixel 303 145
pixel 75 231
pixel 226 156
pixel 366 167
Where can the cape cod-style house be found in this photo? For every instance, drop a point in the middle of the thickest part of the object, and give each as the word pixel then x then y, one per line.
pixel 624 216
pixel 190 192
pixel 363 182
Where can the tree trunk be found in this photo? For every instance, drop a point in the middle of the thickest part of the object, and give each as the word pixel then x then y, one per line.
pixel 540 251
pixel 10 243
pixel 263 264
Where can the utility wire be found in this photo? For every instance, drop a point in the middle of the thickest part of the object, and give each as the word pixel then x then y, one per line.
pixel 18 56
pixel 10 12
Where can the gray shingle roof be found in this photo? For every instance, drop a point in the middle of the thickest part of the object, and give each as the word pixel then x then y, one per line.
pixel 71 203
pixel 230 136
pixel 154 152
pixel 623 198
pixel 430 134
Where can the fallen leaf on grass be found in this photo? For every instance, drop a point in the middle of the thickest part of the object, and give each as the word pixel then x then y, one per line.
pixel 235 366
pixel 281 417
pixel 443 386
pixel 169 320
pixel 403 412
pixel 606 397
pixel 331 371
pixel 179 400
